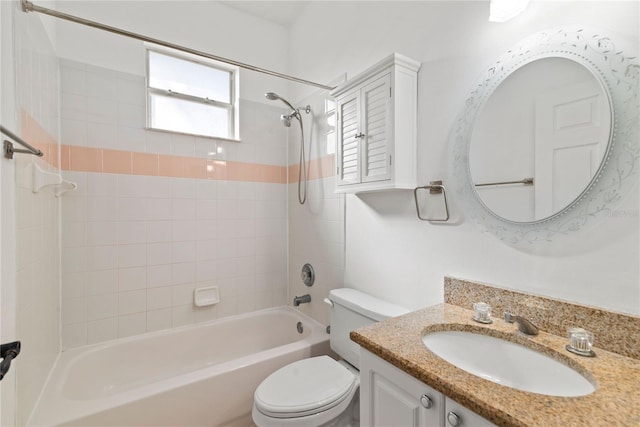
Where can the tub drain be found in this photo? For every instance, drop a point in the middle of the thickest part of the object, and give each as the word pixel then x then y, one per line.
pixel 299 327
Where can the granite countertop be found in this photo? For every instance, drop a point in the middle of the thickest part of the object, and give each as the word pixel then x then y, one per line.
pixel 616 400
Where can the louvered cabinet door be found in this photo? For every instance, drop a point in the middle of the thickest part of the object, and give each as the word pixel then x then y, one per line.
pixel 376 125
pixel 349 140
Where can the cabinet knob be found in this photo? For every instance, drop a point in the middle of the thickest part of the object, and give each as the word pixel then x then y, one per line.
pixel 426 401
pixel 359 135
pixel 454 419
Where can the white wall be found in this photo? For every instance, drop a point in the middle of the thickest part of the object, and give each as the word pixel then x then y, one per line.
pixel 389 252
pixel 207 26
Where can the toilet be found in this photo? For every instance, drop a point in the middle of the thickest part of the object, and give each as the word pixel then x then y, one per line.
pixel 320 391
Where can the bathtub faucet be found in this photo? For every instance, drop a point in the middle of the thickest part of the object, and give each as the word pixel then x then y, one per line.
pixel 301 300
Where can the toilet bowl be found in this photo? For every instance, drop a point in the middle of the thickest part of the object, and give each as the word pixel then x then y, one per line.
pixel 320 391
pixel 311 392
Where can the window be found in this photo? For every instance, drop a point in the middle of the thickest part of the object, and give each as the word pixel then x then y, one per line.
pixel 190 94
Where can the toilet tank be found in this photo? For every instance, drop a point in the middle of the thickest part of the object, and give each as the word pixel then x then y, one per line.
pixel 352 309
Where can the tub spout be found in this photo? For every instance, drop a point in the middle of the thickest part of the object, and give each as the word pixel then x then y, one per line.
pixel 301 300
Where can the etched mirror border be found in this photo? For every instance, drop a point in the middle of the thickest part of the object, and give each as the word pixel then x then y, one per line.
pixel 619 76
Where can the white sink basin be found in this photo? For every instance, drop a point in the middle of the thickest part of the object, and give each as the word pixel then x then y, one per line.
pixel 507 363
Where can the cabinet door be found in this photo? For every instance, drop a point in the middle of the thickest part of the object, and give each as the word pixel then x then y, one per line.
pixel 376 126
pixel 348 149
pixel 459 416
pixel 392 398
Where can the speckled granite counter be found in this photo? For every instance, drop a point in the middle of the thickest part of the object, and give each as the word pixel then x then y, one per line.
pixel 616 401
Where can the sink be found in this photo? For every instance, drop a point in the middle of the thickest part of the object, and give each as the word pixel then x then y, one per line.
pixel 507 363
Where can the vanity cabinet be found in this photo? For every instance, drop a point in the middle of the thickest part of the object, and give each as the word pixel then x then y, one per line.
pixel 376 127
pixel 391 397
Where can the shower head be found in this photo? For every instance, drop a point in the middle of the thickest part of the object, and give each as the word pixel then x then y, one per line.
pixel 274 96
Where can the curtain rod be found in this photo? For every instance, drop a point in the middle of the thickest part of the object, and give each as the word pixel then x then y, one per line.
pixel 28 6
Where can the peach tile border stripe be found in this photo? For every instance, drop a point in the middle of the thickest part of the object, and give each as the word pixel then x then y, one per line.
pixel 90 159
pixel 87 159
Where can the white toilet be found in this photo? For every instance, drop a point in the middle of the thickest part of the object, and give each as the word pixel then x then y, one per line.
pixel 320 391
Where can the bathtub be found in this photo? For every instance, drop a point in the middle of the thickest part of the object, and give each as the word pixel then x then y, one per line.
pixel 199 375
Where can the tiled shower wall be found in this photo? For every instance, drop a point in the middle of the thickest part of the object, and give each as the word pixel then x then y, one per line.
pixel 157 215
pixel 316 229
pixel 37 220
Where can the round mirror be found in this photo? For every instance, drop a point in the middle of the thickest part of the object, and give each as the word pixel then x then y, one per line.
pixel 539 139
pixel 548 138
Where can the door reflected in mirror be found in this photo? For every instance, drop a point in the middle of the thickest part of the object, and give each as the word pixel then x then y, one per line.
pixel 549 121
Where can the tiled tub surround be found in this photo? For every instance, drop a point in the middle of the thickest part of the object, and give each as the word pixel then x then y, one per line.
pixel 615 402
pixel 158 214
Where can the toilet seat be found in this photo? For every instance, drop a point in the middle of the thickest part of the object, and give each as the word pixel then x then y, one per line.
pixel 305 387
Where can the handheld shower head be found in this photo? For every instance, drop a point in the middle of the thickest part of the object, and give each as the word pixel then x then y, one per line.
pixel 272 96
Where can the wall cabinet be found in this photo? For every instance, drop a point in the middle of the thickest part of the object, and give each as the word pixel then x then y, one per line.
pixel 376 127
pixel 391 397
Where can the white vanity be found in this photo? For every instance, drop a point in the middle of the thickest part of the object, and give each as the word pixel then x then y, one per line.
pixel 391 397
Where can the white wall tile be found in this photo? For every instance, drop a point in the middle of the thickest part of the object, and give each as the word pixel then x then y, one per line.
pixel 101 135
pixel 132 186
pixel 159 231
pixel 103 111
pixel 183 209
pixel 132 324
pixel 159 209
pixel 159 275
pixel 74 285
pixel 158 253
pixel 74 310
pixel 102 233
pixel 158 319
pixel 132 255
pixel 102 257
pixel 102 306
pixel 182 295
pixel 102 282
pixel 182 315
pixel 102 84
pixel 182 252
pixel 101 209
pixel 131 90
pixel 130 279
pixel 102 330
pixel 132 302
pixel 132 232
pixel 206 250
pixel 158 298
pixel 183 273
pixel 132 209
pixel 74 335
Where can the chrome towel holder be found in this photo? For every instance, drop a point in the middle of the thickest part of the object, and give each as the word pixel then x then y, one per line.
pixel 434 187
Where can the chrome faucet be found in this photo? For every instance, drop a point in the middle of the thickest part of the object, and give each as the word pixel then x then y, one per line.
pixel 524 325
pixel 301 300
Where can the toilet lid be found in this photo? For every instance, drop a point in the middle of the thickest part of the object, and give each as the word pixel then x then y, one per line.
pixel 304 387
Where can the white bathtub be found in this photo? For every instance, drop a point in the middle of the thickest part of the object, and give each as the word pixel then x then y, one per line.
pixel 200 375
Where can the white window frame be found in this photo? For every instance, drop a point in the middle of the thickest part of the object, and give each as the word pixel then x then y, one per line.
pixel 232 107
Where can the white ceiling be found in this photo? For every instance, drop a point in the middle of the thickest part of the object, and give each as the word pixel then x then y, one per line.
pixel 281 12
